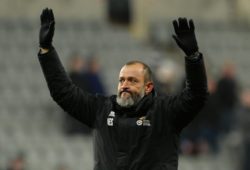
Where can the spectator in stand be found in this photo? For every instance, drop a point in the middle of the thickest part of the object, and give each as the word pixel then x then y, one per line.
pixel 93 77
pixel 62 167
pixel 168 74
pixel 208 122
pixel 244 125
pixel 227 91
pixel 18 163
pixel 201 136
pixel 77 73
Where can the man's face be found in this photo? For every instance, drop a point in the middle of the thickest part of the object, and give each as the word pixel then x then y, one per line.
pixel 131 86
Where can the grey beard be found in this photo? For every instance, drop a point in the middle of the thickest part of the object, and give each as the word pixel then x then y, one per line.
pixel 131 100
pixel 125 102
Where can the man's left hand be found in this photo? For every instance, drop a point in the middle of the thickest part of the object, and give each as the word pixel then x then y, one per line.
pixel 185 36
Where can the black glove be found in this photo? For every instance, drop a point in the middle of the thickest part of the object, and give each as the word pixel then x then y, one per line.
pixel 185 36
pixel 47 28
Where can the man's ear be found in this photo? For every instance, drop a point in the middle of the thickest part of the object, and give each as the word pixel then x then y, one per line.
pixel 149 87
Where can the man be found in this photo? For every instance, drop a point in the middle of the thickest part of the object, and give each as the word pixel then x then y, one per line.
pixel 77 74
pixel 135 129
pixel 18 163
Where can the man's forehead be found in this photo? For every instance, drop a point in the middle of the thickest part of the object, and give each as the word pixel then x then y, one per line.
pixel 132 70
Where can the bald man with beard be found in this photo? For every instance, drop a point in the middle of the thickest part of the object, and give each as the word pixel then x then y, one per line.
pixel 137 129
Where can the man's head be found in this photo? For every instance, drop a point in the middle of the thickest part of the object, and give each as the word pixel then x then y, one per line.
pixel 76 63
pixel 135 81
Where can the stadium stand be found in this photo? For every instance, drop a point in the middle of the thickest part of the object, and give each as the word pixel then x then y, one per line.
pixel 30 122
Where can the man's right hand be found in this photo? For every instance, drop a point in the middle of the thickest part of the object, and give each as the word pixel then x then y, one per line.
pixel 47 29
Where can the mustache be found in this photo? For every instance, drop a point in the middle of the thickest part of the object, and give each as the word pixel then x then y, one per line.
pixel 125 90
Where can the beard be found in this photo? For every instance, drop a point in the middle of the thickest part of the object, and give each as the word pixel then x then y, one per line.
pixel 132 99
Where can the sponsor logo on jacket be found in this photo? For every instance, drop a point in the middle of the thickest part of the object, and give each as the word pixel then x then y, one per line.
pixel 142 121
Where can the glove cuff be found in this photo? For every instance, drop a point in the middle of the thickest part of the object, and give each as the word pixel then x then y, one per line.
pixel 48 46
pixel 194 56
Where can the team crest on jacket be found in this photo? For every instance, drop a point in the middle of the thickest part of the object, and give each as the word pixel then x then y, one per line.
pixel 110 119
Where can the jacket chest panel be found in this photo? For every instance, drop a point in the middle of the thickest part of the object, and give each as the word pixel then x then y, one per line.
pixel 128 131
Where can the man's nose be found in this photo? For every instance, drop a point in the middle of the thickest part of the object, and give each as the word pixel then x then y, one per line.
pixel 125 84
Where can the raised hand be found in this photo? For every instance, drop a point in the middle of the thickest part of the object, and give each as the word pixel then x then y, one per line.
pixel 185 36
pixel 47 28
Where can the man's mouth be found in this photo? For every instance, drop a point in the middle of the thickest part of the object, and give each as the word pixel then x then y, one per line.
pixel 125 91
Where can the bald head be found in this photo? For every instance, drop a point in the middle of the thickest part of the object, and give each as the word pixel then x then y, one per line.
pixel 148 76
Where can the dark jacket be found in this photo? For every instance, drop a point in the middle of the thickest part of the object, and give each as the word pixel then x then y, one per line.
pixel 144 137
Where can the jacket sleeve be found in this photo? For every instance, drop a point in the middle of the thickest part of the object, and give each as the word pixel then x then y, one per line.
pixel 182 108
pixel 69 97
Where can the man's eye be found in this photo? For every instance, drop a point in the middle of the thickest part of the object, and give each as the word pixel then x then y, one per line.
pixel 134 80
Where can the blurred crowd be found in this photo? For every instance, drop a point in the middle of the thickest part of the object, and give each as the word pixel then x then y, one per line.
pixel 227 110
pixel 217 118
